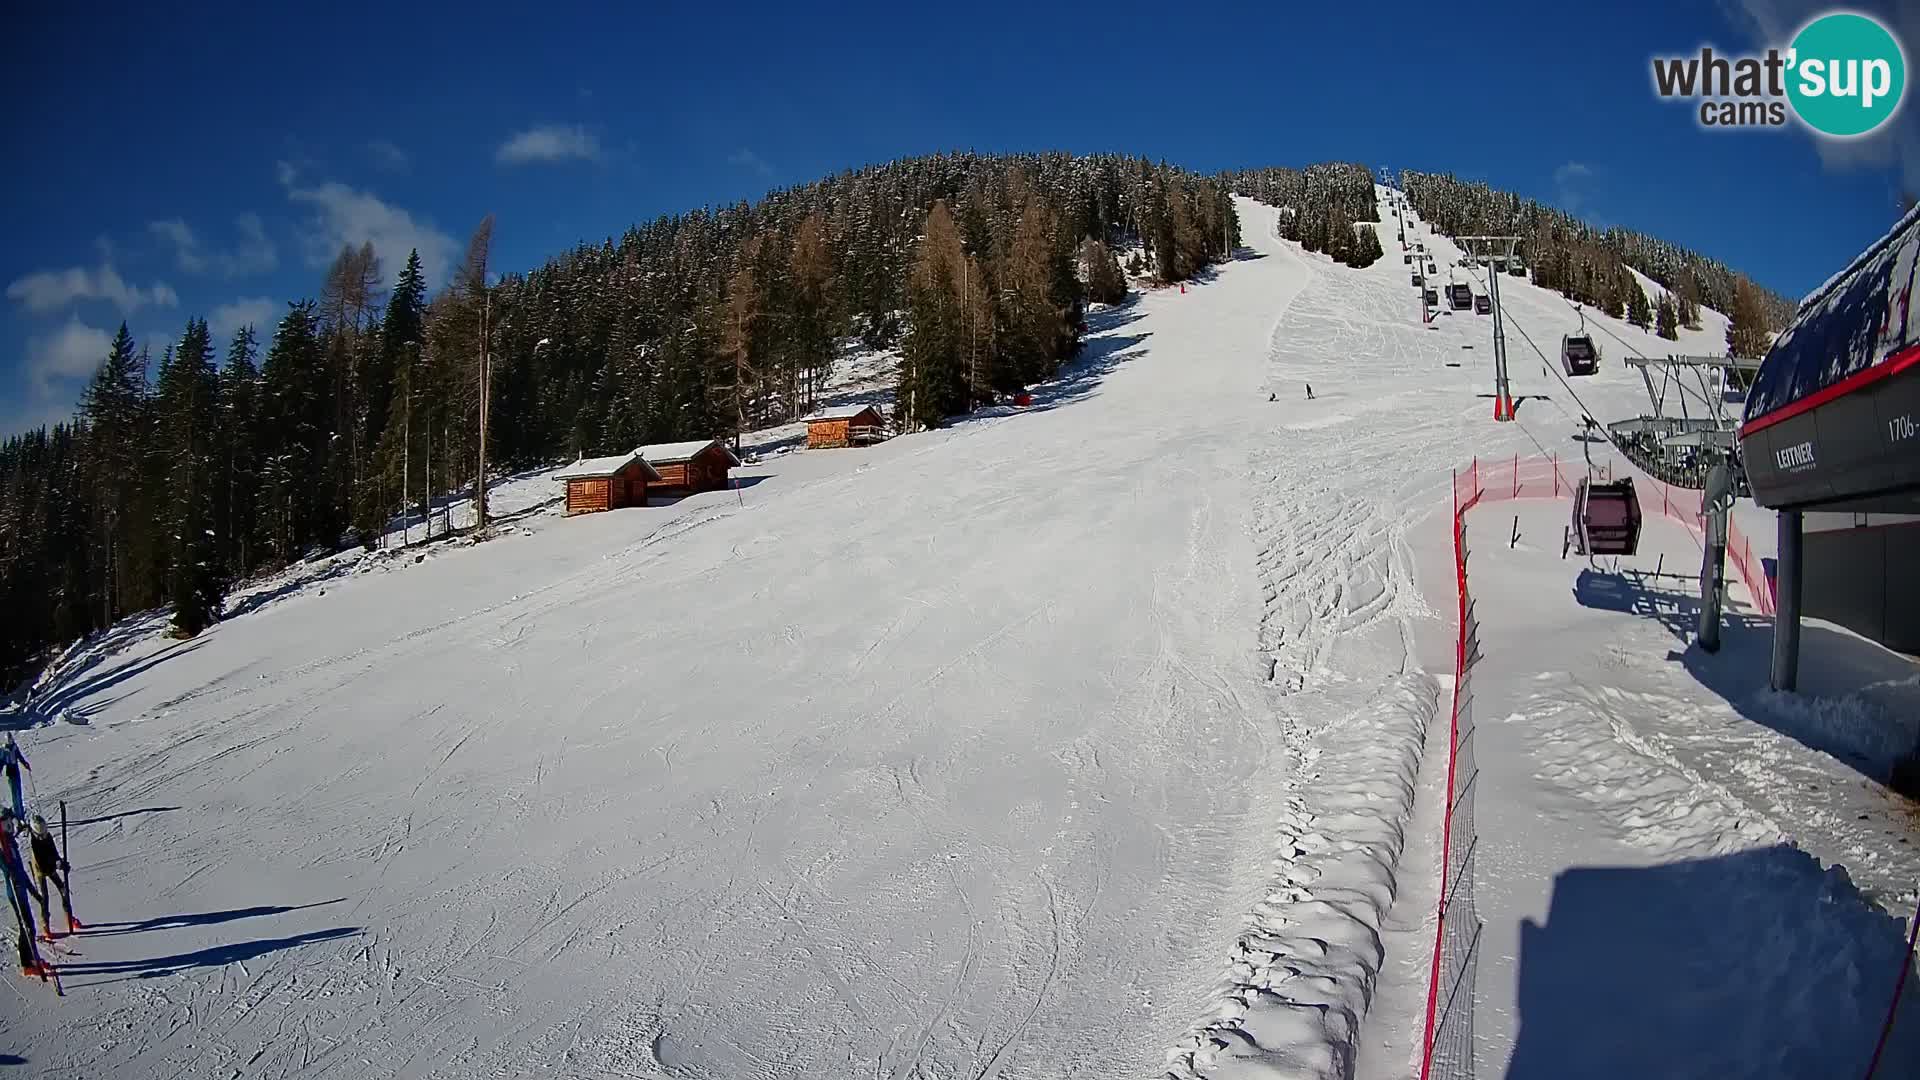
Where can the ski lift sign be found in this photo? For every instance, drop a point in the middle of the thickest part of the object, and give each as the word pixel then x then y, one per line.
pixel 1844 75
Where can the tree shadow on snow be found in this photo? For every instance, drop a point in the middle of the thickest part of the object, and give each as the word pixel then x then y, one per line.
pixel 211 957
pixel 1754 964
pixel 1857 702
pixel 201 918
pixel 72 687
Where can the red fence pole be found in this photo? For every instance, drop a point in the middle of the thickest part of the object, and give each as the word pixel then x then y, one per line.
pixel 1886 1029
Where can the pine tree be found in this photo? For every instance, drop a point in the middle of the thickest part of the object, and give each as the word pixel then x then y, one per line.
pixel 294 431
pixel 1665 318
pixel 1639 312
pixel 1688 308
pixel 115 408
pixel 188 406
pixel 237 481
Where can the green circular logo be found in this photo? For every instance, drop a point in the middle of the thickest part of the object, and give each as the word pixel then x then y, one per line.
pixel 1846 74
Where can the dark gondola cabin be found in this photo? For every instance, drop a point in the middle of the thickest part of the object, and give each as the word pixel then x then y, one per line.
pixel 1579 355
pixel 1482 304
pixel 685 468
pixel 608 483
pixel 1606 518
pixel 1418 280
pixel 1432 297
pixel 1462 295
pixel 855 425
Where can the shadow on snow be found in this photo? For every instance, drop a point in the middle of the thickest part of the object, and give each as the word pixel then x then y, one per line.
pixel 211 957
pixel 1753 964
pixel 1857 702
pixel 201 918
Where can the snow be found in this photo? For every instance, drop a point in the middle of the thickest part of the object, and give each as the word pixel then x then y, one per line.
pixel 1090 738
pixel 669 453
pixel 1647 811
pixel 845 412
pixel 588 468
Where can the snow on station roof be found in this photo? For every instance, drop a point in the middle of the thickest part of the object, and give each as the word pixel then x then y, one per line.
pixel 676 452
pixel 845 412
pixel 595 468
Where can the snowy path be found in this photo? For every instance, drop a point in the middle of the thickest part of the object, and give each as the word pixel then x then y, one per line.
pixel 1628 852
pixel 941 758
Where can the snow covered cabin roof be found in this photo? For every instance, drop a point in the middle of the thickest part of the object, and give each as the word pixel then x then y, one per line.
pixel 845 412
pixel 596 468
pixel 673 453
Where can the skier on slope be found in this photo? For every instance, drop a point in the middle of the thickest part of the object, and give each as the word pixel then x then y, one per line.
pixel 18 890
pixel 12 760
pixel 50 870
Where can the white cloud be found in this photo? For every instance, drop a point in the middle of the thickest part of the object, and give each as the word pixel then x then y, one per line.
pixel 46 290
pixel 553 143
pixel 255 252
pixel 259 312
pixel 186 246
pixel 74 350
pixel 747 159
pixel 388 156
pixel 1568 181
pixel 345 215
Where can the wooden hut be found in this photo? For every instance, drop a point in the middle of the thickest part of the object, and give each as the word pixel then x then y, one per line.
pixel 855 425
pixel 608 483
pixel 684 468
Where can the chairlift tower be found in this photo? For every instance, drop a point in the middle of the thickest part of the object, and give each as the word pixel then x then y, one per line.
pixel 1694 388
pixel 1502 390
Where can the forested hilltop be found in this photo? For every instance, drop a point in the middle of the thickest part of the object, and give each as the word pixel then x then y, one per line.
pixel 1322 205
pixel 1589 264
pixel 182 474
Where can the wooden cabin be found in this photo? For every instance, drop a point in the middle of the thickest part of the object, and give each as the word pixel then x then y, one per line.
pixel 855 425
pixel 684 468
pixel 608 483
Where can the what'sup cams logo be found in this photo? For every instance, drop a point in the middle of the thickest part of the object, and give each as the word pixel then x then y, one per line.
pixel 1843 75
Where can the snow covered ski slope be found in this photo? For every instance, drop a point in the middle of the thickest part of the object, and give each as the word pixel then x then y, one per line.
pixel 1080 740
pixel 944 757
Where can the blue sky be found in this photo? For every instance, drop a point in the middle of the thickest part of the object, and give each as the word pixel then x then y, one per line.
pixel 169 165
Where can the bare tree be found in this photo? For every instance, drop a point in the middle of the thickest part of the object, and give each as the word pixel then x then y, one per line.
pixel 475 300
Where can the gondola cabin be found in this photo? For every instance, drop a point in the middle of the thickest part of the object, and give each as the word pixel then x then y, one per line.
pixel 685 468
pixel 856 425
pixel 1606 518
pixel 1433 297
pixel 608 483
pixel 1517 268
pixel 1462 295
pixel 1418 280
pixel 1482 304
pixel 1579 355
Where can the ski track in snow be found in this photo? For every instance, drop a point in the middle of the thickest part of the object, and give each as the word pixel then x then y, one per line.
pixel 1084 740
pixel 799 781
